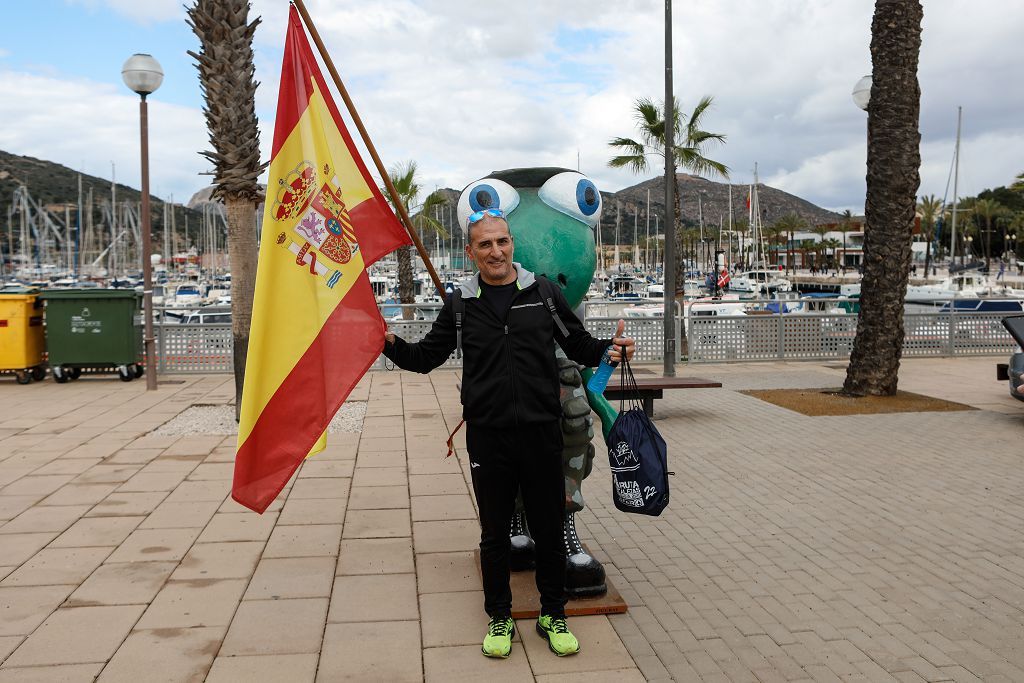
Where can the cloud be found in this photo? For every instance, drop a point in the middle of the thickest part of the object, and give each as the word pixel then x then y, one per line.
pixel 142 11
pixel 95 124
pixel 464 87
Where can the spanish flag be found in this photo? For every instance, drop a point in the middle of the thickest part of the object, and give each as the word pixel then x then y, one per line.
pixel 315 327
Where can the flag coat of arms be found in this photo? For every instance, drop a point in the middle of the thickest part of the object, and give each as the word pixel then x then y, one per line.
pixel 315 326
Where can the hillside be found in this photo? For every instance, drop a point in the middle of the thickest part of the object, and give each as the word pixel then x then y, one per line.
pixel 54 185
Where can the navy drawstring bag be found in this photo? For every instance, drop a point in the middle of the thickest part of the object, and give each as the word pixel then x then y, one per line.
pixel 637 454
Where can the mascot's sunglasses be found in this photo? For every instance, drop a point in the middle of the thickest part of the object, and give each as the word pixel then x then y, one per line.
pixel 479 215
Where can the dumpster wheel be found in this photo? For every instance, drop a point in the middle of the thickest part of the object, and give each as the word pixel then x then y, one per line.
pixel 139 370
pixel 23 377
pixel 126 373
pixel 39 373
pixel 60 375
pixel 74 373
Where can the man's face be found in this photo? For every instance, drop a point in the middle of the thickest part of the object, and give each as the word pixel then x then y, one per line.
pixel 491 248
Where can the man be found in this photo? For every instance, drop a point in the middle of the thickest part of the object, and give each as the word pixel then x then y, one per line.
pixel 510 402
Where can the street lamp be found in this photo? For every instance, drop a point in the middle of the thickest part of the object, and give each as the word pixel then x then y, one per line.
pixel 967 248
pixel 142 74
pixel 862 92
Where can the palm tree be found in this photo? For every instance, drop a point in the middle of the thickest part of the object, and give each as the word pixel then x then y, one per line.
pixel 403 177
pixel 787 225
pixel 845 227
pixel 988 210
pixel 929 209
pixel 227 81
pixel 893 177
pixel 1018 183
pixel 688 153
pixel 820 231
pixel 831 244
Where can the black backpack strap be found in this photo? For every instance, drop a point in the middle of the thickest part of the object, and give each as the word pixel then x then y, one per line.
pixel 546 288
pixel 458 310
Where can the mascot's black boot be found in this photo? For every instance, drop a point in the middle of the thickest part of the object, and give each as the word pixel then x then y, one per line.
pixel 523 546
pixel 584 576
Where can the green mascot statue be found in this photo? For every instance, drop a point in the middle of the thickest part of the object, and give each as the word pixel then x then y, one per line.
pixel 552 214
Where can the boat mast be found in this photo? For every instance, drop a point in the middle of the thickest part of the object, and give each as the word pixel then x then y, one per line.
pixel 647 242
pixel 616 237
pixel 956 177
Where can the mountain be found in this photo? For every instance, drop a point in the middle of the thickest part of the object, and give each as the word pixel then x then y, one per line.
pixel 54 186
pixel 702 195
pixel 713 199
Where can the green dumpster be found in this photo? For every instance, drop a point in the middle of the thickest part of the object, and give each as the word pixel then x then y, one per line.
pixel 93 329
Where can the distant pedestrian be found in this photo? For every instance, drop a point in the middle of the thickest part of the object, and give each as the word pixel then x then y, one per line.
pixel 1002 271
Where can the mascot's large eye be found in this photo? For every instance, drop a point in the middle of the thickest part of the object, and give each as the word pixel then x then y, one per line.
pixel 489 193
pixel 574 195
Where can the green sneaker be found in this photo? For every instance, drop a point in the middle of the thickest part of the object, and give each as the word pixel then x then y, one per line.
pixel 560 640
pixel 498 641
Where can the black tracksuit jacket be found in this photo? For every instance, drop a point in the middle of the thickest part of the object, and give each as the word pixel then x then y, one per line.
pixel 509 375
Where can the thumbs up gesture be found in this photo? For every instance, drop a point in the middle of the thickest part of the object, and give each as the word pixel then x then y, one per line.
pixel 621 343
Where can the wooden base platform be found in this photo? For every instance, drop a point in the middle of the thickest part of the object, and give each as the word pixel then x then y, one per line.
pixel 526 600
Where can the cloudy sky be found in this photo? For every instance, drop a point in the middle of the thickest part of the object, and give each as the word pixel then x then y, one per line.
pixel 467 86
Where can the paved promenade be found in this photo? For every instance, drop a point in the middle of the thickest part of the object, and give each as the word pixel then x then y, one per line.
pixel 862 548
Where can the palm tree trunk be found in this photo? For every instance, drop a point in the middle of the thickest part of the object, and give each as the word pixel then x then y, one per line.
pixel 928 253
pixel 242 256
pixel 894 160
pixel 406 286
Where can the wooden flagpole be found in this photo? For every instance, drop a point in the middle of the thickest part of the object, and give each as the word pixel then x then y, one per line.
pixel 395 199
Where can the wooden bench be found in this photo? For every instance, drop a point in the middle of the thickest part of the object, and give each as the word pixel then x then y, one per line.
pixel 651 388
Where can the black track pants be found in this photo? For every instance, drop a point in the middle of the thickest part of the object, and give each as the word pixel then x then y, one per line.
pixel 502 461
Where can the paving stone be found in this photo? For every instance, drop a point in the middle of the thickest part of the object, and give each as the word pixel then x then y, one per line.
pixel 437 484
pixel 617 676
pixel 169 515
pixel 152 545
pixel 193 603
pixel 453 618
pixel 8 644
pixel 315 540
pixel 315 467
pixel 442 507
pixel 384 597
pixel 292 577
pixel 265 669
pixel 377 524
pixel 600 647
pixel 447 572
pixel 376 556
pixel 127 504
pixel 57 566
pixel 23 608
pixel 238 527
pixel 465 663
pixel 36 485
pixel 312 511
pixel 12 506
pixel 97 531
pixel 122 583
pixel 351 652
pixel 65 673
pixel 17 548
pixel 166 655
pixel 378 497
pixel 380 476
pixel 77 636
pixel 298 626
pixel 316 487
pixel 79 494
pixel 219 561
pixel 446 536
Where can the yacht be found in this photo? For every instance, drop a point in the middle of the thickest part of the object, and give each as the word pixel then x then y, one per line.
pixel 760 281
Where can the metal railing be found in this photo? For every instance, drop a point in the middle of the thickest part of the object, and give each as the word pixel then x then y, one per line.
pixel 764 336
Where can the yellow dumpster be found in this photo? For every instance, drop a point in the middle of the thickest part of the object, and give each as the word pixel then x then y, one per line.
pixel 21 335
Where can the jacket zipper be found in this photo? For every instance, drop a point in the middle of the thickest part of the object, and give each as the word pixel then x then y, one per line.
pixel 511 377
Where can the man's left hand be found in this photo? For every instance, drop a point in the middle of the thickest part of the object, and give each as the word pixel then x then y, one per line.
pixel 619 342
